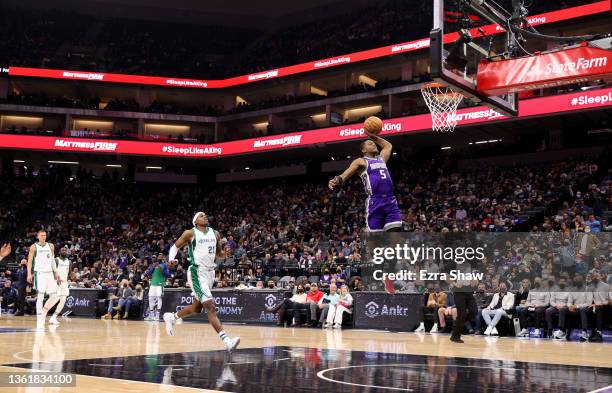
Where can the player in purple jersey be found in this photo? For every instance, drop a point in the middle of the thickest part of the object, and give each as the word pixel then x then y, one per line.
pixel 382 211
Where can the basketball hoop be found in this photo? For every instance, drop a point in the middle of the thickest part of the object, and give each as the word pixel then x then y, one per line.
pixel 442 102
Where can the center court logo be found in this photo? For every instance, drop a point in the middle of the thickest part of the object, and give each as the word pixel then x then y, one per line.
pixel 372 310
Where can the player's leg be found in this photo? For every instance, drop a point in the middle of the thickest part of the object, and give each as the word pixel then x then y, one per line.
pixel 393 216
pixel 461 312
pixel 206 298
pixel 159 302
pixel 206 280
pixel 153 297
pixel 171 318
pixel 63 294
pixel 39 286
pixel 52 290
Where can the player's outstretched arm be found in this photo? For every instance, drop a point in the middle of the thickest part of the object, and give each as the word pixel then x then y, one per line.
pixel 386 148
pixel 182 241
pixel 339 180
pixel 30 258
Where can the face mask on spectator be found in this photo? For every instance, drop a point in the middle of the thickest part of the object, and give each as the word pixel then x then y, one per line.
pixel 578 283
pixel 300 290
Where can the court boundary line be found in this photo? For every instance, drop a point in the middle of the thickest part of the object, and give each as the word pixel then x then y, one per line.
pixel 323 377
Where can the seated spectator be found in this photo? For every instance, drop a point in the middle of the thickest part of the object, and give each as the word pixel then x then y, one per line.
pixel 449 309
pixel 559 301
pixel 259 285
pixel 521 295
pixel 501 306
pixel 325 279
pixel 328 299
pixel 297 302
pixel 118 300
pixel 335 312
pixel 243 285
pixel 435 300
pixel 271 284
pixel 259 274
pixel 133 301
pixel 30 307
pixel 482 301
pixel 313 299
pixel 537 302
pixel 339 276
pixel 578 302
pixel 8 297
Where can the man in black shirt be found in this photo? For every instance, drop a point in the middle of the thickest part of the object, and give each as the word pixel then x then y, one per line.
pixel 22 283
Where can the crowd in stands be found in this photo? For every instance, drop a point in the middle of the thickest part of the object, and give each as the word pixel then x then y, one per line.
pixel 59 39
pixel 297 230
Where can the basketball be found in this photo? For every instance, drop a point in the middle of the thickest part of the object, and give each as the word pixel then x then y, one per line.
pixel 373 125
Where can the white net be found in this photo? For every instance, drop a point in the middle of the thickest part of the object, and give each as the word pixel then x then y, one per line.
pixel 442 102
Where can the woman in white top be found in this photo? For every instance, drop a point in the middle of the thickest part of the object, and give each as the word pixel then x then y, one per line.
pixel 335 312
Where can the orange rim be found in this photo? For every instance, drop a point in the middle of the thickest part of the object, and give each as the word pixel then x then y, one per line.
pixel 433 85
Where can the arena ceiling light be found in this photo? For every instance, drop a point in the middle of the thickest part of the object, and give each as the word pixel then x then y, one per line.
pixel 366 80
pixel 63 162
pixel 445 148
pixel 18 161
pixel 483 142
pixel 154 167
pixel 114 165
pixel 318 91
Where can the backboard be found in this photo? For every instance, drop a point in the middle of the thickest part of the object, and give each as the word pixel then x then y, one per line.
pixel 460 39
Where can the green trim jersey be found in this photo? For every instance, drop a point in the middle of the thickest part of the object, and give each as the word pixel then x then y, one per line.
pixel 158 278
pixel 43 258
pixel 63 268
pixel 203 249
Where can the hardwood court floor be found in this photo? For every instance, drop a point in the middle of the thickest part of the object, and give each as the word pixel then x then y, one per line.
pixel 138 356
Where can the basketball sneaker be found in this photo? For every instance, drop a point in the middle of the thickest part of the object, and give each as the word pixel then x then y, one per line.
pixel 232 344
pixel 559 335
pixel 53 320
pixel 420 329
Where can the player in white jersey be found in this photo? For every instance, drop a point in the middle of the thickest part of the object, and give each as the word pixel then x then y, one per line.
pixel 63 268
pixel 204 246
pixel 44 277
